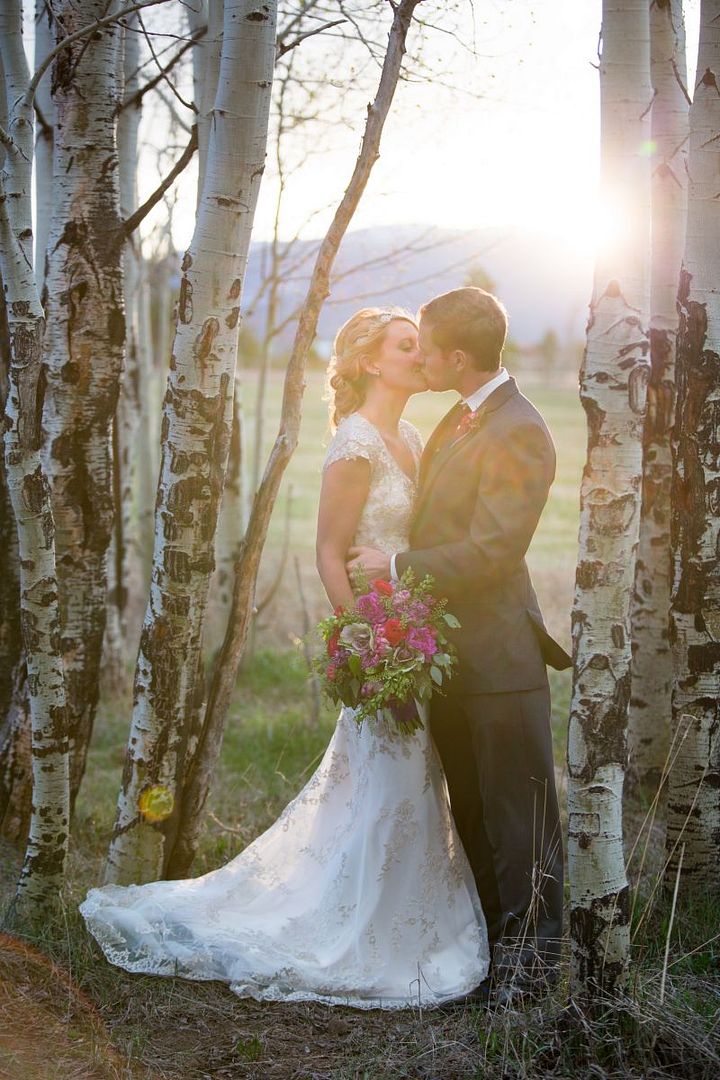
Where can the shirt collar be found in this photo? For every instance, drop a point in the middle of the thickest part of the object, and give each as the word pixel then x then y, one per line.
pixel 483 393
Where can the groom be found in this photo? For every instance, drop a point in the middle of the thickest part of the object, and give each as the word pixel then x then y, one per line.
pixel 484 480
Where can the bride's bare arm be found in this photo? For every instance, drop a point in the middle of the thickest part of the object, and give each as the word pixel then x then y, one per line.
pixel 343 495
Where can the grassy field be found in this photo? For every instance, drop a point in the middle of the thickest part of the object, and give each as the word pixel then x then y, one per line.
pixel 68 1014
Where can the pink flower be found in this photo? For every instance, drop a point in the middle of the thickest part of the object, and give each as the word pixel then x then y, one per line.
pixel 423 640
pixel 418 612
pixel 371 607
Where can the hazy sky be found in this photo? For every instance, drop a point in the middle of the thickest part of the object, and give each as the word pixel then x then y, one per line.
pixel 522 148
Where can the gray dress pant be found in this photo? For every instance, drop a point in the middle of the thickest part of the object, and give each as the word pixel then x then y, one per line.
pixel 496 750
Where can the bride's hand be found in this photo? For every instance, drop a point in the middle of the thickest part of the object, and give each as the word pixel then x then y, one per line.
pixel 368 561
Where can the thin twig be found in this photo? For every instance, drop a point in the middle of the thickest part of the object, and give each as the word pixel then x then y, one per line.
pixel 131 223
pixel 137 97
pixel 188 104
pixel 282 49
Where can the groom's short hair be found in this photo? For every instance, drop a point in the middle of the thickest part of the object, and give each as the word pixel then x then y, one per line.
pixel 470 319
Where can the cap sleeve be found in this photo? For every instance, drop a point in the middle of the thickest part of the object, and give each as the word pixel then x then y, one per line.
pixel 354 438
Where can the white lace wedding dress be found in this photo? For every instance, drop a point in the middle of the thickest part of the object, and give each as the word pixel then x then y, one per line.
pixel 360 893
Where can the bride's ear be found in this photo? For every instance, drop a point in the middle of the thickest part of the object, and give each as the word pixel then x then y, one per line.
pixel 369 367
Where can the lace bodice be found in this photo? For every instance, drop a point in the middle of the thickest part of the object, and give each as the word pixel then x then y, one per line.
pixel 385 520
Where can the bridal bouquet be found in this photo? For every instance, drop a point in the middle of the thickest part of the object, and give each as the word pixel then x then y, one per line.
pixel 389 652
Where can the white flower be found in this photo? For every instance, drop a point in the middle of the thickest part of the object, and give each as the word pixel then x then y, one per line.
pixel 357 637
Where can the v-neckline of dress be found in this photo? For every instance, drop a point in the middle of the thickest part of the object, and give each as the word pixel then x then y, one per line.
pixel 411 479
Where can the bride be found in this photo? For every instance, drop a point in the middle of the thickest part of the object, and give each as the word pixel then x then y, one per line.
pixel 360 893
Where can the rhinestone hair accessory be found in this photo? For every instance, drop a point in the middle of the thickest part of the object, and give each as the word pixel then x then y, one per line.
pixel 382 319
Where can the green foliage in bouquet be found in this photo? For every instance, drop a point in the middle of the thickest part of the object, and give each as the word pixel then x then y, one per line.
pixel 389 652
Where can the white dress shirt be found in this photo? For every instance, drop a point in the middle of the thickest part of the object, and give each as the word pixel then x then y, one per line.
pixel 473 402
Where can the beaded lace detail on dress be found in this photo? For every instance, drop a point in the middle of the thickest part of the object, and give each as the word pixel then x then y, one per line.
pixel 360 893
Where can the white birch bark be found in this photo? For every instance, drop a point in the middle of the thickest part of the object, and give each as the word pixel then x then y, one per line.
pixel 148 436
pixel 10 577
pixel 15 733
pixel 18 166
pixel 233 511
pixel 44 42
pixel 43 869
pixel 85 348
pixel 195 437
pixel 132 403
pixel 649 713
pixel 233 514
pixel 613 393
pixel 206 71
pixel 15 754
pixel 693 816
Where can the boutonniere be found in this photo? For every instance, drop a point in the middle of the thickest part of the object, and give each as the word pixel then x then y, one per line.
pixel 469 421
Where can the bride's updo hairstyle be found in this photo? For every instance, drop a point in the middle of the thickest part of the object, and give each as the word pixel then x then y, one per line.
pixel 357 344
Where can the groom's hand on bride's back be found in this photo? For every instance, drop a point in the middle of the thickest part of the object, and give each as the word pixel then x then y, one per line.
pixel 368 561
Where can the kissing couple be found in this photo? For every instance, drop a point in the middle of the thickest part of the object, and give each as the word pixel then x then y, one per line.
pixel 420 870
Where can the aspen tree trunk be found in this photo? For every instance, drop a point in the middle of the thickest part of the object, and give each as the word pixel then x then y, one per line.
pixel 233 513
pixel 15 756
pixel 693 817
pixel 10 648
pixel 148 435
pixel 206 71
pixel 132 403
pixel 233 507
pixel 196 425
pixel 43 869
pixel 649 713
pixel 15 735
pixel 207 752
pixel 44 42
pixel 85 346
pixel 613 393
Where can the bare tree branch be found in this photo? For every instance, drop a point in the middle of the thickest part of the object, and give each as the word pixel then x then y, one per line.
pixel 141 213
pixel 188 104
pixel 282 48
pixel 137 97
pixel 174 114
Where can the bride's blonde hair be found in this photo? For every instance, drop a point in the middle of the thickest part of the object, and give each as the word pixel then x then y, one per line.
pixel 357 343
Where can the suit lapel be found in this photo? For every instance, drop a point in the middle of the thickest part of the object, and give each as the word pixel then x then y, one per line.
pixel 444 452
pixel 437 439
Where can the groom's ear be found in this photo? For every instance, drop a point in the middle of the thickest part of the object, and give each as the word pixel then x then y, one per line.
pixel 461 360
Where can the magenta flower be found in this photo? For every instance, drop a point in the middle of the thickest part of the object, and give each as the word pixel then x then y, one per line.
pixel 418 613
pixel 371 607
pixel 423 640
pixel 400 599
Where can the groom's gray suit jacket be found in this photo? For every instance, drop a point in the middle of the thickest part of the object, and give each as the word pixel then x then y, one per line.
pixel 481 496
